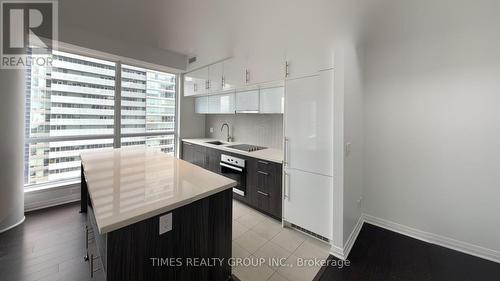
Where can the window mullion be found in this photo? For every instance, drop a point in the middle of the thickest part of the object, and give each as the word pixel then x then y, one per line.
pixel 118 106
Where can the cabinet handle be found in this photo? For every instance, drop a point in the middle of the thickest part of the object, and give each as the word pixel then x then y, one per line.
pixel 92 266
pixel 263 173
pixel 287 191
pixel 247 75
pixel 287 69
pixel 86 258
pixel 263 162
pixel 223 85
pixel 262 193
pixel 195 88
pixel 285 161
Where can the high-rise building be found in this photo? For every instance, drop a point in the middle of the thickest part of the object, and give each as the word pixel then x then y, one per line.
pixel 71 108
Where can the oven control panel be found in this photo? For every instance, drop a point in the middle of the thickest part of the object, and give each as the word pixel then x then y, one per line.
pixel 232 160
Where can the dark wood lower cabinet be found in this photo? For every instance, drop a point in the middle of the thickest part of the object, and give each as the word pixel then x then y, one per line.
pixel 263 178
pixel 266 179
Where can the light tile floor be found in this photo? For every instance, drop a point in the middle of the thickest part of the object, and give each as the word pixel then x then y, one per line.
pixel 258 236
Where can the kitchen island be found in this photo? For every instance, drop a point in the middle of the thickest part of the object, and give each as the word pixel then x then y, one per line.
pixel 152 215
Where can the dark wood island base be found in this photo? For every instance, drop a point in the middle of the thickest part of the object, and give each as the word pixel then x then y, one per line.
pixel 202 229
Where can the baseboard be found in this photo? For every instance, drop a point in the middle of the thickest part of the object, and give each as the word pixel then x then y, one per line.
pixel 353 236
pixel 337 252
pixel 432 238
pixel 44 198
pixel 343 253
pixel 13 226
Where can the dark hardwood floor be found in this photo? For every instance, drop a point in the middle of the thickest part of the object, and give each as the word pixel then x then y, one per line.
pixel 379 254
pixel 49 245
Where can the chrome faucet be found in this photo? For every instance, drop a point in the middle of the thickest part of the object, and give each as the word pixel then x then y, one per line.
pixel 229 138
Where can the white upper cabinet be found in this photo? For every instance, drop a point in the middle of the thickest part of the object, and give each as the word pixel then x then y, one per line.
pixel 272 100
pixel 247 101
pixel 201 105
pixel 234 73
pixel 264 65
pixel 305 58
pixel 196 82
pixel 215 77
pixel 221 104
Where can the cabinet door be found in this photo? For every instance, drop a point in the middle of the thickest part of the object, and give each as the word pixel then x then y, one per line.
pixel 272 100
pixel 309 123
pixel 188 152
pixel 234 73
pixel 200 156
pixel 201 105
pixel 265 64
pixel 267 195
pixel 213 160
pixel 247 101
pixel 189 86
pixel 215 73
pixel 227 103
pixel 307 201
pixel 305 57
pixel 197 81
pixel 214 104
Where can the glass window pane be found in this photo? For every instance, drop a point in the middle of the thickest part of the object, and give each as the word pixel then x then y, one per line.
pixel 73 97
pixel 165 142
pixel 148 100
pixel 53 161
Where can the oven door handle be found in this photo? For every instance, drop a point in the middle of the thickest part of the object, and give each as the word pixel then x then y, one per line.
pixel 231 167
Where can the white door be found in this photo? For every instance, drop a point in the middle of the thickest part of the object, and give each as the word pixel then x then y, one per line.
pixel 247 101
pixel 308 201
pixel 201 105
pixel 215 72
pixel 272 100
pixel 309 123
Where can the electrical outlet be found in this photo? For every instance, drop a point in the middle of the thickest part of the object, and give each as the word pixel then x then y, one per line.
pixel 165 223
pixel 211 130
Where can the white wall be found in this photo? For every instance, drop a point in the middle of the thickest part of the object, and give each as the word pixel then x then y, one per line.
pixel 257 129
pixel 353 134
pixel 432 118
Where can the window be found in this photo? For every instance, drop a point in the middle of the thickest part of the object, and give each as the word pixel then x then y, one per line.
pixel 148 107
pixel 70 108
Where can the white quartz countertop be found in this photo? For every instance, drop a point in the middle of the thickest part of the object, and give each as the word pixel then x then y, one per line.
pixel 128 185
pixel 269 154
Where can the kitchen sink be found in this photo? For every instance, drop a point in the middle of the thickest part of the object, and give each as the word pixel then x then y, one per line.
pixel 215 142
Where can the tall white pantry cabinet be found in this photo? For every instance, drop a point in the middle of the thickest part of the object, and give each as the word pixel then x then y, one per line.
pixel 308 167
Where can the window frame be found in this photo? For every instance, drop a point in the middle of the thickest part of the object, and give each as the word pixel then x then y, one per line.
pixel 117 135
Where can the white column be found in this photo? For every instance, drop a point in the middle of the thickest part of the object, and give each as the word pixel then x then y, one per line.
pixel 12 107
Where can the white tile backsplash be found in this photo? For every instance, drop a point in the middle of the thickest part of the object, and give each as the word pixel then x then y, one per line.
pixel 258 129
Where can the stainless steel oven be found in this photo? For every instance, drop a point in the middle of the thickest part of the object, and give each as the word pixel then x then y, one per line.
pixel 234 168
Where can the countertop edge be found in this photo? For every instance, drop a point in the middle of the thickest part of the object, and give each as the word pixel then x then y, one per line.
pixel 166 209
pixel 235 151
